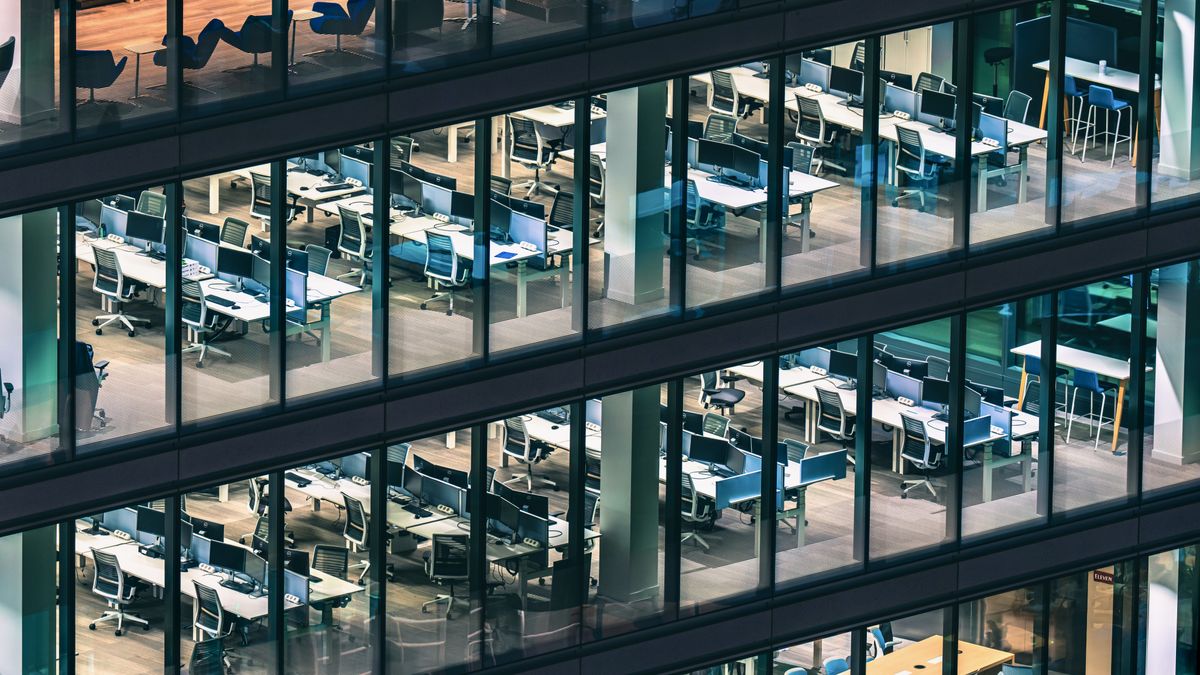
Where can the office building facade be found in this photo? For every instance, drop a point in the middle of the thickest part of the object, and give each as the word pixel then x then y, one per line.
pixel 860 340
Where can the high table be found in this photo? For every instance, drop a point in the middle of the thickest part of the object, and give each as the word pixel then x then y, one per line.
pixel 926 656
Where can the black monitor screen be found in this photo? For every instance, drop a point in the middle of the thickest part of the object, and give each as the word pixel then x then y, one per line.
pixel 295 560
pixel 441 493
pixel 846 80
pixel 441 181
pixel 235 262
pixel 409 185
pixel 745 161
pixel 693 422
pixel 413 483
pixel 226 556
pixel 533 209
pixel 144 226
pixel 843 364
pixel 151 521
pixel 708 450
pixel 532 527
pixel 935 390
pixel 538 505
pixel 937 104
pixel 462 205
pixel 208 529
pixel 395 474
pixel 879 374
pixel 714 153
pixel 735 459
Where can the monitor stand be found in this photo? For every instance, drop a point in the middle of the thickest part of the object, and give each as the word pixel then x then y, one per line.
pixel 848 385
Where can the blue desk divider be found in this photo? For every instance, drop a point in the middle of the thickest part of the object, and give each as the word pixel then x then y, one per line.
pixel 823 467
pixel 753 462
pixel 977 430
pixel 124 519
pixel 742 487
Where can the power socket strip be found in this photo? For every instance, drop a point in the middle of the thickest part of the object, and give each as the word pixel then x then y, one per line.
pixel 819 370
pixel 444 509
pixel 122 534
pixel 358 480
pixel 531 542
pixel 206 568
pixel 906 401
pixel 901 115
pixel 814 88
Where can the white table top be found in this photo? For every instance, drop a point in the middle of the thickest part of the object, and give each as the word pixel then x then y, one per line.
pixel 497 550
pixel 747 80
pixel 302 183
pixel 787 378
pixel 706 482
pixel 330 490
pixel 1086 70
pixel 1072 357
pixel 734 197
pixel 559 435
pixel 141 268
pixel 554 116
pixel 558 240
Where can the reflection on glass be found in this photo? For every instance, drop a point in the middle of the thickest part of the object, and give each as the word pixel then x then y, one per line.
pixel 431 623
pixel 527 23
pixel 916 216
pixel 532 199
pixel 225 52
pixel 727 184
pixel 29 415
pixel 629 270
pixel 815 530
pixel 623 15
pixel 1009 183
pixel 1175 165
pixel 830 654
pixel 329 298
pixel 911 482
pixel 432 249
pixel 535 607
pixel 1091 621
pixel 225 306
pixel 120 64
pixel 1092 356
pixel 914 642
pixel 1169 455
pixel 30 583
pixel 29 84
pixel 330 42
pixel 1001 418
pixel 328 559
pixel 1169 613
pixel 627 560
pixel 1001 630
pixel 120 632
pixel 120 292
pixel 822 235
pixel 427 34
pixel 1101 83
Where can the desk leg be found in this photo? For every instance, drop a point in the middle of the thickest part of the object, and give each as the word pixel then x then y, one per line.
pixel 292 58
pixel 987 472
pixel 223 493
pixel 897 444
pixel 1023 174
pixel 818 660
pixel 452 144
pixel 980 183
pixel 758 530
pixel 800 515
pixel 1026 465
pixel 564 279
pixel 522 290
pixel 805 221
pixel 1045 100
pixel 1117 414
pixel 1021 391
pixel 214 195
pixel 326 338
pixel 505 169
pixel 451 440
pixel 137 76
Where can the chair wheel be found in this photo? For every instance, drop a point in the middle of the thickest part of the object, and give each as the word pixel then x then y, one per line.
pixel 895 202
pixel 146 627
pixel 424 610
pixel 199 365
pixel 92 626
pixel 95 322
pixel 132 333
pixel 422 305
pixel 903 495
pixel 117 632
pixel 99 331
pixel 449 312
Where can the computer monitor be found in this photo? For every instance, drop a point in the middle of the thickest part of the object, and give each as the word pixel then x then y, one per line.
pixel 260 274
pixel 395 474
pixel 745 162
pixel 714 153
pixel 529 208
pixel 735 459
pixel 503 516
pixel 693 422
pixel 897 78
pixel 813 72
pixel 124 202
pixel 716 425
pixel 185 537
pixel 227 556
pixel 260 246
pixel 356 169
pixel 436 199
pixel 538 505
pixel 441 493
pixel 414 483
pixel 534 528
pixel 846 82
pixel 90 210
pixel 201 549
pixel 255 567
pixel 814 356
pixel 444 182
pixel 357 465
pixel 592 411
pixel 935 390
pixel 151 521
pixel 462 206
pixel 296 287
pixel 201 250
pixel 971 403
pixel 938 106
pixel 112 220
pixel 708 450
pixel 995 128
pixel 236 263
pixel 296 560
pixel 333 160
pixel 208 529
pixel 410 186
pixel 879 373
pixel 144 227
pixel 843 364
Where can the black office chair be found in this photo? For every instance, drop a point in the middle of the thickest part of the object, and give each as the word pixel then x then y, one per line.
pixel 354 244
pixel 719 127
pixel 447 564
pixel 922 452
pixel 501 185
pixel 201 325
pixel 421 643
pixel 519 446
pixel 209 617
pixel 318 259
pixel 334 561
pixel 208 658
pixel 117 590
pixel 695 510
pixel 89 379
pixel 233 231
pixel 444 268
pixel 527 147
pixel 714 396
pixel 114 289
pixel 833 419
pixel 8 52
pixel 260 205
pixel 812 130
pixel 920 168
pixel 723 96
pixel 929 82
pixel 258 499
pixel 562 210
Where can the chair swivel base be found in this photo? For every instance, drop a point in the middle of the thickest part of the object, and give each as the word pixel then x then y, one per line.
pixel 529 478
pixel 359 271
pixel 204 349
pixel 120 616
pixel 105 320
pixel 444 597
pixel 908 485
pixel 445 295
pixel 695 536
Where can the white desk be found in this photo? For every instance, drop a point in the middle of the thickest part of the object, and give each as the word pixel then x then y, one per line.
pixel 548 115
pixel 300 184
pixel 749 82
pixel 325 489
pixel 753 372
pixel 559 435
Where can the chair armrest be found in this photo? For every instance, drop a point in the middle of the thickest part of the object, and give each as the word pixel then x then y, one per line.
pixel 330 9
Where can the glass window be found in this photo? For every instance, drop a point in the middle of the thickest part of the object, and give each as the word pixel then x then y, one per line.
pixel 916 217
pixel 1169 615
pixel 329 558
pixel 330 297
pixel 430 34
pixel 822 235
pixel 30 599
pixel 913 643
pixel 432 625
pixel 751 665
pixel 120 65
pixel 1176 163
pixel 532 199
pixel 1093 370
pixel 120 316
pixel 227 364
pixel 1001 418
pixel 29 414
pixel 123 635
pixel 830 655
pixel 30 87
pixel 431 299
pixel 911 482
pixel 722 482
pixel 629 270
pixel 1003 630
pixel 535 606
pixel 1091 621
pixel 230 530
pixel 815 530
pixel 1102 65
pixel 726 184
pixel 628 559
pixel 525 24
pixel 225 53
pixel 1168 454
pixel 623 15
pixel 333 46
pixel 1010 183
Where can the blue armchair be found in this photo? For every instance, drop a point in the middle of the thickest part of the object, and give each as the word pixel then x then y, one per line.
pixel 194 54
pixel 254 37
pixel 97 69
pixel 338 22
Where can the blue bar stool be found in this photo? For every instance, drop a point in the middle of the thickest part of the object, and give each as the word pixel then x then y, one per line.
pixel 1033 373
pixel 1101 98
pixel 1075 98
pixel 1087 382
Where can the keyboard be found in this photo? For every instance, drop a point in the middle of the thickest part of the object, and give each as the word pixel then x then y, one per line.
pixel 218 300
pixel 553 417
pixel 417 511
pixel 296 478
pixel 239 586
pixel 332 186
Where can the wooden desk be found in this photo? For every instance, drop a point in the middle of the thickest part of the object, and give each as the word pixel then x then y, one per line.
pixel 926 657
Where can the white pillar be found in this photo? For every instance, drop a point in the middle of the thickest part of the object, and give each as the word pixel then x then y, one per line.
pixel 1179 148
pixel 1177 366
pixel 27 609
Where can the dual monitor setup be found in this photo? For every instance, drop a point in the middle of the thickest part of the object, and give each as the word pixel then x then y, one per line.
pixel 118 216
pixel 249 271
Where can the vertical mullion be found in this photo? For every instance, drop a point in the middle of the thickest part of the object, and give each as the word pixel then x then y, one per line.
pixel 964 106
pixel 858 649
pixel 1041 630
pixel 1047 400
pixel 66 60
pixel 862 448
pixel 173 322
pixel 67 266
pixel 674 492
pixel 581 215
pixel 66 597
pixel 954 430
pixel 484 34
pixel 380 220
pixel 481 271
pixel 777 192
pixel 384 37
pixel 1136 391
pixel 1054 113
pixel 770 434
pixel 174 65
pixel 377 553
pixel 278 238
pixel 281 29
pixel 477 549
pixel 678 213
pixel 1145 104
pixel 950 635
pixel 276 617
pixel 576 484
pixel 171 656
pixel 868 158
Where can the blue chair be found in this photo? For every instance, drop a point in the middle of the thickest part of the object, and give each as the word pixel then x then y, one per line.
pixel 97 69
pixel 254 37
pixel 442 266
pixel 338 22
pixel 1073 92
pixel 1010 669
pixel 1101 98
pixel 1033 372
pixel 1087 382
pixel 836 666
pixel 194 54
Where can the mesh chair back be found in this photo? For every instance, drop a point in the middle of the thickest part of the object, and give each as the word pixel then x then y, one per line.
pixel 723 93
pixel 687 497
pixel 596 178
pixel 397 453
pixel 591 504
pixel 208 658
pixel 402 147
pixel 261 186
pixel 525 143
pixel 1016 108
pixel 210 615
pixel 233 231
pixel 332 560
pixel 108 279
pixel 501 185
pixel 440 261
pixel 916 442
pixel 516 441
pixel 109 582
pixel 859 60
pixel 255 494
pixel 318 259
pixel 152 203
pixel 795 450
pixel 422 643
pixel 929 81
pixel 562 210
pixel 355 529
pixel 718 127
pixel 829 405
pixel 802 157
pixel 353 240
pixel 8 52
pixel 193 309
pixel 810 126
pixel 911 158
pixel 449 561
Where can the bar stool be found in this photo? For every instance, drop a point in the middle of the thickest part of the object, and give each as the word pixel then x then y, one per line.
pixel 1033 373
pixel 1073 92
pixel 1101 98
pixel 1087 382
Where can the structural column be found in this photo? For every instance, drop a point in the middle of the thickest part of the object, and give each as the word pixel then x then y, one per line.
pixel 28 93
pixel 1179 149
pixel 629 504
pixel 635 203
pixel 1177 366
pixel 27 610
